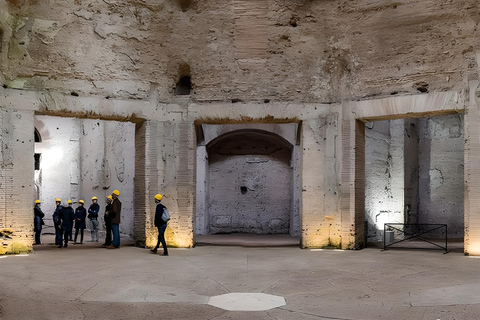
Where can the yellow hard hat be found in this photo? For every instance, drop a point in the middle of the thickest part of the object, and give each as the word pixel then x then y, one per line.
pixel 81 201
pixel 94 198
pixel 69 201
pixel 58 200
pixel 37 201
pixel 116 192
pixel 158 197
pixel 109 198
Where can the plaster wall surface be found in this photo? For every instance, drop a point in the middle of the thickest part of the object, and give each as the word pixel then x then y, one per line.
pixel 384 165
pixel 82 158
pixel 441 173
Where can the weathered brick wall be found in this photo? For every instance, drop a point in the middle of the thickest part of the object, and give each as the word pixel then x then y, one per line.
pixel 16 181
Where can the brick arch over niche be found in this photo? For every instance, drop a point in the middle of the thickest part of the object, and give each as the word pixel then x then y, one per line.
pixel 249 183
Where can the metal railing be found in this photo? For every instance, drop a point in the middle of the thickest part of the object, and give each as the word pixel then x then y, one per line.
pixel 408 231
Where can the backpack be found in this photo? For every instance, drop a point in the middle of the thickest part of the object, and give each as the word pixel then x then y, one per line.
pixel 165 215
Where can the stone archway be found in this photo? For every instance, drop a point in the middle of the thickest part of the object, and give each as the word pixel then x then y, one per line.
pixel 249 185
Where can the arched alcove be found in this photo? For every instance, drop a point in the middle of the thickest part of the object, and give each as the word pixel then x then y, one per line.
pixel 249 183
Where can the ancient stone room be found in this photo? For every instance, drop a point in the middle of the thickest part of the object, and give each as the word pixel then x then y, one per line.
pixel 319 159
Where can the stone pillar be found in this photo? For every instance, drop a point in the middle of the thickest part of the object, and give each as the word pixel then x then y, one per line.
pixel 472 172
pixel 16 181
pixel 141 203
pixel 202 182
pixel 352 181
pixel 319 197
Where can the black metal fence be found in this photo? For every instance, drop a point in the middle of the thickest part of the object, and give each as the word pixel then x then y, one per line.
pixel 395 233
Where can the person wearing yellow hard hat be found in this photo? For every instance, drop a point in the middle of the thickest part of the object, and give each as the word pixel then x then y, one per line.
pixel 93 217
pixel 67 223
pixel 108 224
pixel 38 221
pixel 57 222
pixel 80 216
pixel 114 215
pixel 161 219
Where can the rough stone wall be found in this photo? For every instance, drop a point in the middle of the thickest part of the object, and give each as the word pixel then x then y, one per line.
pixel 250 192
pixel 311 51
pixel 441 162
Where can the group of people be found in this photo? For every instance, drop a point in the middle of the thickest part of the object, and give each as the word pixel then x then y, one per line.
pixel 65 218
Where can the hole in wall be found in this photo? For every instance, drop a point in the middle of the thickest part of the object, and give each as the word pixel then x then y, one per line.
pixel 185 4
pixel 243 189
pixel 184 86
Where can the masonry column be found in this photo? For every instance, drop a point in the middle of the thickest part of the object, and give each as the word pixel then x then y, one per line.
pixel 472 172
pixel 319 209
pixel 165 164
pixel 352 181
pixel 16 181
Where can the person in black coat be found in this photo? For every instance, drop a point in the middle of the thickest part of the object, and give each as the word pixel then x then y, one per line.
pixel 161 225
pixel 80 215
pixel 38 221
pixel 108 223
pixel 67 224
pixel 57 222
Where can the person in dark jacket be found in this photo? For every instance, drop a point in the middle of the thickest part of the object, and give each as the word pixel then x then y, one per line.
pixel 108 224
pixel 93 216
pixel 67 223
pixel 161 225
pixel 57 222
pixel 38 221
pixel 70 232
pixel 80 216
pixel 114 215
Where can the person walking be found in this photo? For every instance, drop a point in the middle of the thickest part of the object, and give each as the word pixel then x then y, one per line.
pixel 69 217
pixel 80 215
pixel 57 222
pixel 108 224
pixel 67 223
pixel 161 220
pixel 93 216
pixel 114 214
pixel 38 221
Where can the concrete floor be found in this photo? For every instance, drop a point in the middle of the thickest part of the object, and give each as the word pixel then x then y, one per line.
pixel 89 282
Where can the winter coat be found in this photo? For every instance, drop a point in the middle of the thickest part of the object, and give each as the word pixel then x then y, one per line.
pixel 158 215
pixel 80 215
pixel 38 218
pixel 68 217
pixel 93 211
pixel 58 216
pixel 107 217
pixel 115 212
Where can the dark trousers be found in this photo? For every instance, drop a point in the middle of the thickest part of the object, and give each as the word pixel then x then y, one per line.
pixel 108 235
pixel 58 235
pixel 81 235
pixel 37 236
pixel 161 238
pixel 66 233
